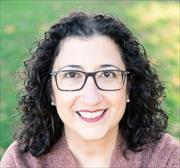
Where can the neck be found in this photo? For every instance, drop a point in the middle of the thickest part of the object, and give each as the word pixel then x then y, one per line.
pixel 89 150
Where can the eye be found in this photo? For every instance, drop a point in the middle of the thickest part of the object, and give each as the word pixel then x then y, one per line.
pixel 108 74
pixel 72 74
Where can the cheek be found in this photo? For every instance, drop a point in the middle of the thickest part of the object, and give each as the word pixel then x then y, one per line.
pixel 64 106
pixel 118 103
pixel 118 98
pixel 64 100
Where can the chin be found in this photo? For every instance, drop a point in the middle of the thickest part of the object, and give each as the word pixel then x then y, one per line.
pixel 92 135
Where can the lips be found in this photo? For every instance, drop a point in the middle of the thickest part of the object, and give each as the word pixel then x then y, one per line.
pixel 91 116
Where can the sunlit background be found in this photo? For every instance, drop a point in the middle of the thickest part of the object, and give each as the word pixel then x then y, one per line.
pixel 154 23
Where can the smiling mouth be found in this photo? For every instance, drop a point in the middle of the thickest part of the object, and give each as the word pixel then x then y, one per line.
pixel 91 116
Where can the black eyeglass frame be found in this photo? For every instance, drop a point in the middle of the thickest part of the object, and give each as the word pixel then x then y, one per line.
pixel 88 74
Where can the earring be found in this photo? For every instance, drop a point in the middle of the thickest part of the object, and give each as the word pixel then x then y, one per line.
pixel 52 104
pixel 127 100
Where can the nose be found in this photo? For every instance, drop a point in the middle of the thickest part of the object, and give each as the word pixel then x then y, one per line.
pixel 90 94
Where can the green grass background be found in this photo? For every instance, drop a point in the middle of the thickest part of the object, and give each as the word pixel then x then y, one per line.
pixel 155 23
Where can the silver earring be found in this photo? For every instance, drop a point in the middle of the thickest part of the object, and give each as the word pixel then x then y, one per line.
pixel 127 100
pixel 52 104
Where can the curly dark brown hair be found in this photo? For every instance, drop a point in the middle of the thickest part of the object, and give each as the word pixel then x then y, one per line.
pixel 144 120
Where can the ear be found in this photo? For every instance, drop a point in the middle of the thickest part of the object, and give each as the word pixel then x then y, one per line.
pixel 51 93
pixel 53 100
pixel 128 88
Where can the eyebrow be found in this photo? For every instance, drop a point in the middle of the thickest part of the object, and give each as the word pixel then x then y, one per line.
pixel 109 66
pixel 71 66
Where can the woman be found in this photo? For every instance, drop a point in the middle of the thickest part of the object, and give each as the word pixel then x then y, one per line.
pixel 92 100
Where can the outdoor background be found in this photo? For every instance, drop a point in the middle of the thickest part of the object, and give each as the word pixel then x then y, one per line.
pixel 154 23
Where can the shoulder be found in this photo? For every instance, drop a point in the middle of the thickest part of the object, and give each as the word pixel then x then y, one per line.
pixel 166 153
pixel 168 144
pixel 13 158
pixel 58 156
pixel 7 159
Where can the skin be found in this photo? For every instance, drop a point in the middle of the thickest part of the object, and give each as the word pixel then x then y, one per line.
pixel 87 140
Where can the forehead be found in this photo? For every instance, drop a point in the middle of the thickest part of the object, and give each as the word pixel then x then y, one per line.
pixel 90 53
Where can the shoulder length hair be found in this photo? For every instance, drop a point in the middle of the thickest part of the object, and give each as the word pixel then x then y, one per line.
pixel 144 120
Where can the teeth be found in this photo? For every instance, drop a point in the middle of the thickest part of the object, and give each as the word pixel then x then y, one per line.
pixel 91 115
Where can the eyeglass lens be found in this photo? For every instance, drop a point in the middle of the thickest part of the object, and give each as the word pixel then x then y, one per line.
pixel 74 80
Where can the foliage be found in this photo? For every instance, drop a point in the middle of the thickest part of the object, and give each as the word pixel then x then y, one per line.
pixel 155 23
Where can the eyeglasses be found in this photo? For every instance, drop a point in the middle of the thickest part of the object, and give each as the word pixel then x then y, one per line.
pixel 74 80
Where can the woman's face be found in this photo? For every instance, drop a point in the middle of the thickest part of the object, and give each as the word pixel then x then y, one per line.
pixel 90 112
